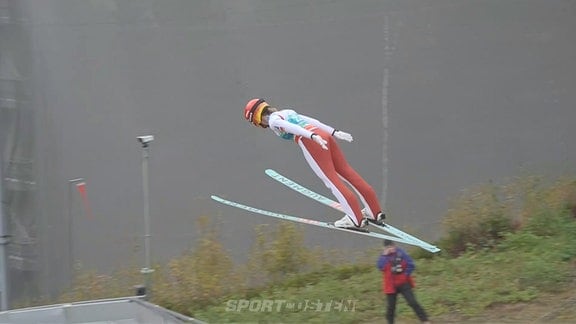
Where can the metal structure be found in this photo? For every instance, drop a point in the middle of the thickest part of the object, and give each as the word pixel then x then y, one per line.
pixel 18 187
pixel 117 310
pixel 71 224
pixel 147 269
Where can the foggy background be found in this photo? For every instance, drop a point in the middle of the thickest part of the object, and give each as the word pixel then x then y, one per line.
pixel 439 96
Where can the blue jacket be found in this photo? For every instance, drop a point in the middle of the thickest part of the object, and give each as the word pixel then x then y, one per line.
pixel 388 259
pixel 392 280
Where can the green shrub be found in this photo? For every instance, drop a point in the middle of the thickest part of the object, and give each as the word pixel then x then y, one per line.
pixel 523 241
pixel 277 253
pixel 546 222
pixel 199 277
pixel 478 219
pixel 89 284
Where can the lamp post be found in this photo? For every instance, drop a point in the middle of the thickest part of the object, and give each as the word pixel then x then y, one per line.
pixel 147 269
pixel 71 226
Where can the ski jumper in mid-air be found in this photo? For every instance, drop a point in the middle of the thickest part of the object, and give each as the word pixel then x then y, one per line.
pixel 324 157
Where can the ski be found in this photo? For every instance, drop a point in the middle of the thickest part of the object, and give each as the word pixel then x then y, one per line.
pixel 331 203
pixel 309 221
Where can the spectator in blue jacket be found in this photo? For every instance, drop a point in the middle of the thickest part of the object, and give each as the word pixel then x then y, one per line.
pixel 397 267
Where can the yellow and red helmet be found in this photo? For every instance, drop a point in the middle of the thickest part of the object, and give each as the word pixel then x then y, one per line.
pixel 254 109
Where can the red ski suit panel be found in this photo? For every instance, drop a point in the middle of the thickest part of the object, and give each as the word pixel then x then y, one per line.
pixel 331 166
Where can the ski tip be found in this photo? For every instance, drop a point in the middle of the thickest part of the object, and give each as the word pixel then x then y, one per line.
pixel 270 171
pixel 432 249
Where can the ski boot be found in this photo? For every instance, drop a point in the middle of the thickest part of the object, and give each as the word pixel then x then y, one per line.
pixel 346 222
pixel 378 220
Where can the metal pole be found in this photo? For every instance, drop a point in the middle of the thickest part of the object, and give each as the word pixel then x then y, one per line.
pixel 147 270
pixel 71 227
pixel 4 240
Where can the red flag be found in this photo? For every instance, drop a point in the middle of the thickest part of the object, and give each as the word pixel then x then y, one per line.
pixel 81 186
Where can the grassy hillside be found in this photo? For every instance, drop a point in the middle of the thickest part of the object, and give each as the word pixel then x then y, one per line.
pixel 522 269
pixel 509 255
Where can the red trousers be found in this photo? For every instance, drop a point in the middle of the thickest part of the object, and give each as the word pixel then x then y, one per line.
pixel 331 166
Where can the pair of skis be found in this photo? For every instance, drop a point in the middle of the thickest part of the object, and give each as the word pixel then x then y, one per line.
pixel 396 234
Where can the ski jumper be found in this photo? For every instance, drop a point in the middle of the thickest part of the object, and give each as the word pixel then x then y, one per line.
pixel 329 165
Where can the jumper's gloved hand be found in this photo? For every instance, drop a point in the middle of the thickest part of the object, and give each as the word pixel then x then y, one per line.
pixel 318 139
pixel 343 136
